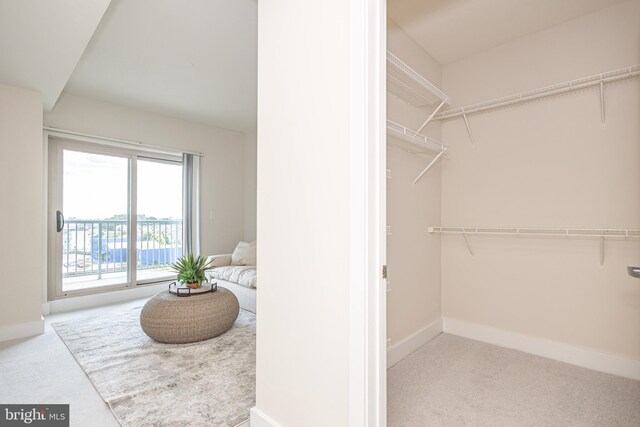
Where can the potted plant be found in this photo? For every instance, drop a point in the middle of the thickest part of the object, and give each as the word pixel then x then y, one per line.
pixel 191 270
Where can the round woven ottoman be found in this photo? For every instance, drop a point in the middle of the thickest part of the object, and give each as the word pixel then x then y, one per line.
pixel 172 319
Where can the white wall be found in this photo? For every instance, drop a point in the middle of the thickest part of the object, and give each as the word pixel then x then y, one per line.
pixel 413 257
pixel 303 212
pixel 21 178
pixel 546 164
pixel 250 185
pixel 222 167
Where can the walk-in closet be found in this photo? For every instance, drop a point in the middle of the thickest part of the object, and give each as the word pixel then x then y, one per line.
pixel 513 212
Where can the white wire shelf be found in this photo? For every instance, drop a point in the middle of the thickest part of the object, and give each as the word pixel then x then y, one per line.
pixel 621 233
pixel 422 141
pixel 557 89
pixel 401 132
pixel 601 234
pixel 409 85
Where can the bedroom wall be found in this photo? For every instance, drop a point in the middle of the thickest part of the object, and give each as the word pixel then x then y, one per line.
pixel 250 185
pixel 222 168
pixel 547 164
pixel 21 177
pixel 413 257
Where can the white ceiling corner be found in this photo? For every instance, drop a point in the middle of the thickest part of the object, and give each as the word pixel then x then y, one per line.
pixel 450 30
pixel 42 41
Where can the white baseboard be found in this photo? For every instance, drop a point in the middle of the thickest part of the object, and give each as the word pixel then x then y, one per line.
pixel 21 330
pixel 260 419
pixel 579 356
pixel 103 298
pixel 403 348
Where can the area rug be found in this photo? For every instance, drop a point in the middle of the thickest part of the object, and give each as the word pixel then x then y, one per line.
pixel 146 383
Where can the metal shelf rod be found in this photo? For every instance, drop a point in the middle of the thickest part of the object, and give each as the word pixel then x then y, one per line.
pixel 557 89
pixel 426 122
pixel 594 233
pixel 430 165
pixel 586 233
pixel 413 137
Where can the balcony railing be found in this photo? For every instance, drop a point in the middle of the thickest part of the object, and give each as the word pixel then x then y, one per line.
pixel 101 247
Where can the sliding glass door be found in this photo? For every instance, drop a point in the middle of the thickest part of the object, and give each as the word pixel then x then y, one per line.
pixel 94 220
pixel 97 197
pixel 159 213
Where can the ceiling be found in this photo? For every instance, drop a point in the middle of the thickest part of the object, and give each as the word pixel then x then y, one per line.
pixel 450 30
pixel 41 42
pixel 193 59
pixel 197 59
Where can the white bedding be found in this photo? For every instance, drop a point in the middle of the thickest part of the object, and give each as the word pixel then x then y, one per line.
pixel 243 275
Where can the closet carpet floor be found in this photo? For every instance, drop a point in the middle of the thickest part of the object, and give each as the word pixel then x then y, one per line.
pixel 453 381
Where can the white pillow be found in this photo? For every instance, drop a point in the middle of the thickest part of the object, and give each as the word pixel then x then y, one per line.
pixel 244 254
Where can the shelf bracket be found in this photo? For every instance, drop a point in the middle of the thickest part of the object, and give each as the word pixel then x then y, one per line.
pixel 602 251
pixel 426 122
pixel 466 123
pixel 466 239
pixel 602 115
pixel 433 162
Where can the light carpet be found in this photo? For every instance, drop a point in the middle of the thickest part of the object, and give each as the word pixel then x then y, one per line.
pixel 453 381
pixel 146 383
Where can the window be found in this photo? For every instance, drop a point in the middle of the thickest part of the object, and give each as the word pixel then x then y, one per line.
pixel 97 196
pixel 159 218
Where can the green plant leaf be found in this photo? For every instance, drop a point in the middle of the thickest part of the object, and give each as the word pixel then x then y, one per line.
pixel 191 269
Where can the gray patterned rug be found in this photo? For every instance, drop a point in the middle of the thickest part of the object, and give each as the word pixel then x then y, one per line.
pixel 146 383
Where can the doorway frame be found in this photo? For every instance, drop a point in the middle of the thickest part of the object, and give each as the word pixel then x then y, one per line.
pixel 367 184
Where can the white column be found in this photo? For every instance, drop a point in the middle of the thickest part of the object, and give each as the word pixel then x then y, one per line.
pixel 319 225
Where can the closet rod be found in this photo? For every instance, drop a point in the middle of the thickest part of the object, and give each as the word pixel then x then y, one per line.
pixel 595 233
pixel 585 233
pixel 557 89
